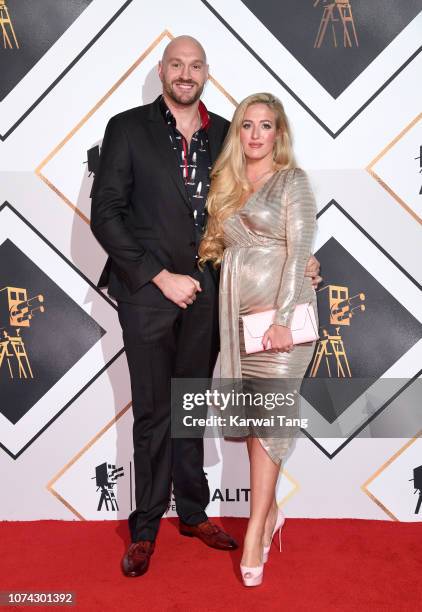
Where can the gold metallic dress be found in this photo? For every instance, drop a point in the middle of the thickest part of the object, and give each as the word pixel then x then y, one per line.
pixel 267 245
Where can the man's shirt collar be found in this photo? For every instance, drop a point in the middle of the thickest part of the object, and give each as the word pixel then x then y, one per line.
pixel 170 119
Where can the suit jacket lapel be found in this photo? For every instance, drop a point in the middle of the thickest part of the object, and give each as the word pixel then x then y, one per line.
pixel 165 150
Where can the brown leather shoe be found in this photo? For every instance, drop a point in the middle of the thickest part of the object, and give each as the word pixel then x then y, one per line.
pixel 136 559
pixel 212 535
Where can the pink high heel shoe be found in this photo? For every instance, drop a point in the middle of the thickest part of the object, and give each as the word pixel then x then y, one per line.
pixel 252 576
pixel 277 527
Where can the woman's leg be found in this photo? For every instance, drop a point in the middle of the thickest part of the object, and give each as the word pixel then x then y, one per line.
pixel 263 473
pixel 273 511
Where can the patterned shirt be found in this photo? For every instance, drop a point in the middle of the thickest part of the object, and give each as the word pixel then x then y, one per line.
pixel 194 162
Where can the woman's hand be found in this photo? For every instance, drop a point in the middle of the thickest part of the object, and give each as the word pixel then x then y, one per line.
pixel 312 270
pixel 278 338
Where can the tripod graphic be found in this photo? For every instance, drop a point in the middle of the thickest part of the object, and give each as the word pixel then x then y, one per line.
pixel 7 27
pixel 343 10
pixel 331 350
pixel 18 352
pixel 17 311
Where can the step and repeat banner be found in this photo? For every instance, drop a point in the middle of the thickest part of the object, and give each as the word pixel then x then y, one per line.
pixel 348 74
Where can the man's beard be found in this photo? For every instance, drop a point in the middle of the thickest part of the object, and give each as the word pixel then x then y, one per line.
pixel 179 99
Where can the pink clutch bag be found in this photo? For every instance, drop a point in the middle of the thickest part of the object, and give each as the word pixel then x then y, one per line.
pixel 304 327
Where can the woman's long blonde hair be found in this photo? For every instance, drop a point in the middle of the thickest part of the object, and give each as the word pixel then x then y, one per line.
pixel 229 184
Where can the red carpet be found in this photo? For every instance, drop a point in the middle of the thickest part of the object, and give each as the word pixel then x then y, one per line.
pixel 326 565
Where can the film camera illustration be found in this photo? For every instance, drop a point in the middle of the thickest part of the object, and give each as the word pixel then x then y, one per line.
pixel 16 312
pixel 417 483
pixel 93 159
pixel 336 309
pixel 420 165
pixel 336 13
pixel 106 475
pixel 6 26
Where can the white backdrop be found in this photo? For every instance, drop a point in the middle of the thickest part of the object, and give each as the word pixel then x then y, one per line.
pixel 363 158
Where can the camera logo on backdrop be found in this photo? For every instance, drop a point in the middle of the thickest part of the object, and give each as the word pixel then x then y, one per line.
pixel 16 312
pixel 93 159
pixel 106 475
pixel 417 483
pixel 396 486
pixel 420 166
pixel 336 309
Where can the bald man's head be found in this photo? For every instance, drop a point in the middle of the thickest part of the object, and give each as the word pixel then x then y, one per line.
pixel 183 70
pixel 184 42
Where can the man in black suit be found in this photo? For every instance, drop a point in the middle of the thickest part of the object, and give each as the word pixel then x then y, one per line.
pixel 148 212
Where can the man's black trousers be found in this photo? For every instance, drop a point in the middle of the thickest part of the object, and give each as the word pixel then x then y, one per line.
pixel 162 343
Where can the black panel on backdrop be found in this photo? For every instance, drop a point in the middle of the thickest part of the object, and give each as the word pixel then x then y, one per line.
pixel 43 332
pixel 361 29
pixel 29 29
pixel 364 330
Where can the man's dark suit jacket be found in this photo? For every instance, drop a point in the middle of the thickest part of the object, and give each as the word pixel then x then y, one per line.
pixel 140 213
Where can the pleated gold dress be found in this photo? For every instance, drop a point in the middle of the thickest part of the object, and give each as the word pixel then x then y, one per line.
pixel 267 246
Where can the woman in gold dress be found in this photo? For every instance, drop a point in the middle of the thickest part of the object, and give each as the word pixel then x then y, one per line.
pixel 260 230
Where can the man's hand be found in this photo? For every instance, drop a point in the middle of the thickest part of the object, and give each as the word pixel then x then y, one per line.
pixel 312 270
pixel 179 288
